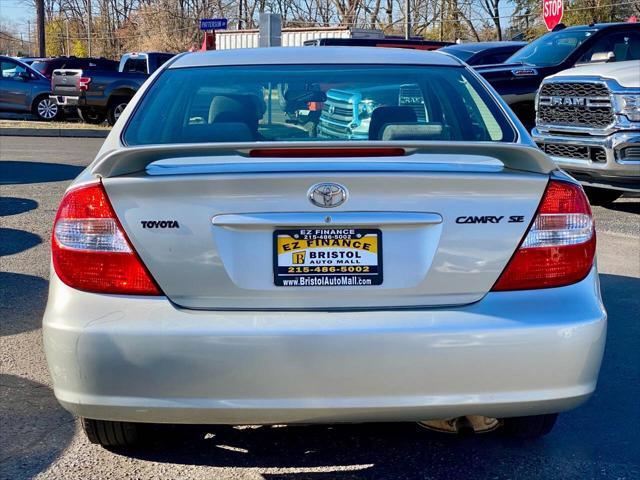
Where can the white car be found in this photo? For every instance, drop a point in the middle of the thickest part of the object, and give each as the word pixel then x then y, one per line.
pixel 219 263
pixel 588 121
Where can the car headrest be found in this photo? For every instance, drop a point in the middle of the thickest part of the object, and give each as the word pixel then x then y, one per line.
pixel 634 51
pixel 237 108
pixel 414 131
pixel 382 116
pixel 621 51
pixel 229 107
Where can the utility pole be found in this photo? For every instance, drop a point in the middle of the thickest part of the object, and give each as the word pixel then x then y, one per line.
pixel 441 20
pixel 29 35
pixel 407 25
pixel 239 14
pixel 42 50
pixel 89 27
pixel 68 49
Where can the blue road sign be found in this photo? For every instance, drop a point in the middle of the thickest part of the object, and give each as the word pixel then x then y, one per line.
pixel 213 24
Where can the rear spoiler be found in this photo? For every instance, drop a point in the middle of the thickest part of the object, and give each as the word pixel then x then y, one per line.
pixel 241 157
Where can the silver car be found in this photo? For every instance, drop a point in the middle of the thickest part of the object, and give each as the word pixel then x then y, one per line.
pixel 222 261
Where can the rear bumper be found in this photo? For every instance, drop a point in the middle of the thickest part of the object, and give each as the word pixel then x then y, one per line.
pixel 66 101
pixel 141 359
pixel 616 171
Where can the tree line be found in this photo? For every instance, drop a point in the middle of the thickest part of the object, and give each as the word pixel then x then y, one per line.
pixel 110 27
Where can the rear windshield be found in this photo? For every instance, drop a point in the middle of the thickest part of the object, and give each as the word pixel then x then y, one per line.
pixel 316 102
pixel 41 66
pixel 135 65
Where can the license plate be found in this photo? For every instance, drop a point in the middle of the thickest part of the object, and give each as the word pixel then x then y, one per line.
pixel 327 257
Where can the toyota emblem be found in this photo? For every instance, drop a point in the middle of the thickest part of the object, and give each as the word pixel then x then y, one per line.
pixel 328 195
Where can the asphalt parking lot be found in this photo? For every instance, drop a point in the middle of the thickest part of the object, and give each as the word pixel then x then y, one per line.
pixel 38 439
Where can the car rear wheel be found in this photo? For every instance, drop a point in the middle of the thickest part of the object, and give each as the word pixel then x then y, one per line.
pixel 46 109
pixel 112 434
pixel 529 427
pixel 116 107
pixel 602 196
pixel 91 115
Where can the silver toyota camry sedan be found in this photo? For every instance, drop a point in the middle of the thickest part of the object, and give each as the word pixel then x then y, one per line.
pixel 305 235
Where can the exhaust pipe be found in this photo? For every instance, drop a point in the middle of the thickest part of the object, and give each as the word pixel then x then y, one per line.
pixel 465 425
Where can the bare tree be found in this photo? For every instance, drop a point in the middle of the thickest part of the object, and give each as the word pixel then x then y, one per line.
pixel 492 7
pixel 172 25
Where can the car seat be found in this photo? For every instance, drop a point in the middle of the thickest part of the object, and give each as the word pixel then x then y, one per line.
pixel 383 116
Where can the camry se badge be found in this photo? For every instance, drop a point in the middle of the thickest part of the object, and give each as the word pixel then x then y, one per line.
pixel 489 219
pixel 327 195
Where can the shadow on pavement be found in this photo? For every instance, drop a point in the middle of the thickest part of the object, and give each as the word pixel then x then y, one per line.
pixel 632 205
pixel 14 241
pixel 599 439
pixel 365 451
pixel 15 205
pixel 16 172
pixel 614 412
pixel 35 428
pixel 22 302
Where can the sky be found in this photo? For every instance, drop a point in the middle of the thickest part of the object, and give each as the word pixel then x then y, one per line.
pixel 16 12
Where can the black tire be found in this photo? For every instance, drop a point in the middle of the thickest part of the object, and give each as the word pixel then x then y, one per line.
pixel 529 427
pixel 602 196
pixel 91 115
pixel 46 109
pixel 112 434
pixel 116 105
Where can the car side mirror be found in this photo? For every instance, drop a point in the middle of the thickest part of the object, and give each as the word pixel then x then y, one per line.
pixel 603 57
pixel 24 76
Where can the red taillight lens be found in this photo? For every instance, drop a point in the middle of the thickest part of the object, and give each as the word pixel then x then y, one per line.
pixel 83 83
pixel 559 246
pixel 90 250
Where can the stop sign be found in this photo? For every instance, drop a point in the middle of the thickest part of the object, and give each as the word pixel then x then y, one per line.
pixel 552 12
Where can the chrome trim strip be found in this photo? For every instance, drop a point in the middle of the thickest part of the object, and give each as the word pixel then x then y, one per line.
pixel 621 123
pixel 252 220
pixel 613 167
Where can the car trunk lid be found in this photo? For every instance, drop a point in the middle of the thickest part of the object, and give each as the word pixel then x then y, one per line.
pixel 211 226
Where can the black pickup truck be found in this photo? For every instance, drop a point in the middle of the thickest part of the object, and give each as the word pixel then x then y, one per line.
pixel 518 79
pixel 104 94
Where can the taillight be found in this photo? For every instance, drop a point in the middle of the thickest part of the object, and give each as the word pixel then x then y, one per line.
pixel 90 250
pixel 559 246
pixel 83 83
